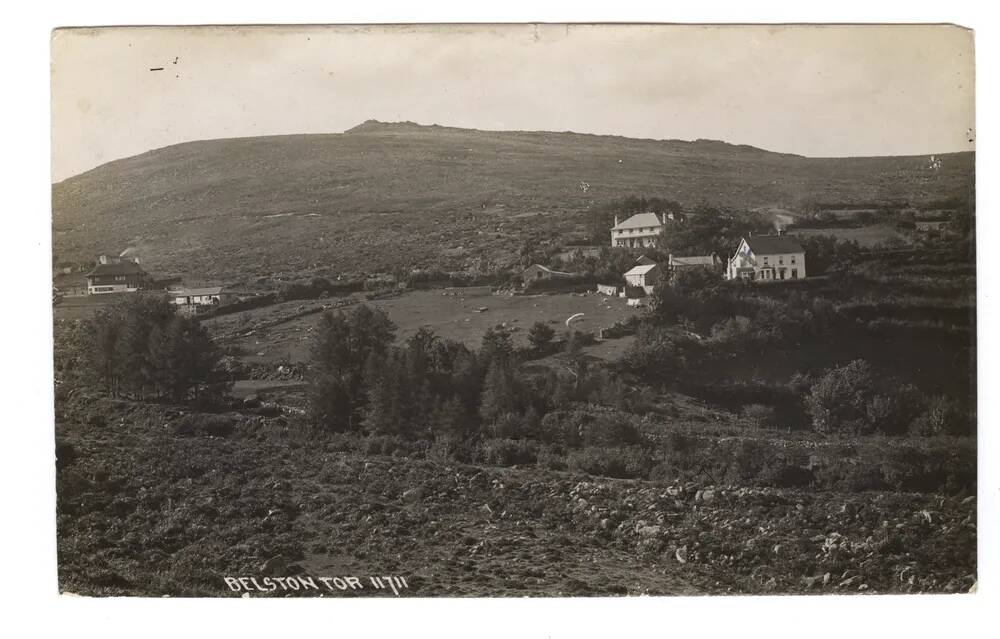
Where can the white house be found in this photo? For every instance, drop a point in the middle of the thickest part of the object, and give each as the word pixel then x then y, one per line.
pixel 767 258
pixel 644 275
pixel 641 229
pixel 196 297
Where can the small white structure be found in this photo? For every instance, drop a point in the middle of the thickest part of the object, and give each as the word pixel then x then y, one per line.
pixel 644 275
pixel 607 289
pixel 195 297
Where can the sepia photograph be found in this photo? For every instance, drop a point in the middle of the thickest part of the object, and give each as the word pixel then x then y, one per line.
pixel 514 310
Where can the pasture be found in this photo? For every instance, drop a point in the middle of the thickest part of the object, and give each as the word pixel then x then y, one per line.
pixel 865 236
pixel 450 313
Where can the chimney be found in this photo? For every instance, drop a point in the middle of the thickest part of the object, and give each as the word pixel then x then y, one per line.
pixel 616 219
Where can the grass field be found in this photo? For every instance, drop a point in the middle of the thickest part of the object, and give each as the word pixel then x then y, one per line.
pixel 450 313
pixel 865 236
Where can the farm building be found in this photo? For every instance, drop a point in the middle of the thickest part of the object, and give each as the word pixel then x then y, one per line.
pixel 705 261
pixel 201 297
pixel 768 258
pixel 116 275
pixel 644 276
pixel 640 230
pixel 537 272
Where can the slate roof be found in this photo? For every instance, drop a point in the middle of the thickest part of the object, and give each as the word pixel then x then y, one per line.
pixel 639 220
pixel 642 269
pixel 118 268
pixel 194 292
pixel 773 244
pixel 694 260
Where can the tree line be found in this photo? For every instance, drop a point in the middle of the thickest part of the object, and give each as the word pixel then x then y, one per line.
pixel 139 347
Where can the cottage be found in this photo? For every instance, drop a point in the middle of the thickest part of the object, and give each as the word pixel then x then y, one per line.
pixel 116 275
pixel 644 276
pixel 537 272
pixel 208 296
pixel 640 230
pixel 768 258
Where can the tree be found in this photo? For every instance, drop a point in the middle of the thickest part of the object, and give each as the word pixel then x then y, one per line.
pixel 496 345
pixel 501 392
pixel 540 336
pixel 339 354
pixel 183 361
pixel 139 345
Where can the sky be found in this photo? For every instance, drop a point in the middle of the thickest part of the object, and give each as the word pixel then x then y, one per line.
pixel 817 91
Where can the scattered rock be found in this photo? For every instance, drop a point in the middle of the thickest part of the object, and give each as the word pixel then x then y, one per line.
pixel 681 554
pixel 275 566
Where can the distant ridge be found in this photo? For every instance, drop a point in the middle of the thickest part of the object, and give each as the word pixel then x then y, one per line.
pixel 387 195
pixel 407 126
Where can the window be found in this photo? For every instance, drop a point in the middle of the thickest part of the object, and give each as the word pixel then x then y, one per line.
pixel 795 273
pixel 781 259
pixel 793 259
pixel 765 259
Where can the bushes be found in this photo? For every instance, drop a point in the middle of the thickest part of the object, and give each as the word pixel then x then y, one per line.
pixel 942 416
pixel 850 399
pixel 629 462
pixel 506 452
pixel 758 416
pixel 578 428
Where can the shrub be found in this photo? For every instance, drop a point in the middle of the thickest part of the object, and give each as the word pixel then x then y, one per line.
pixel 785 475
pixel 943 416
pixel 508 426
pixel 551 457
pixel 838 400
pixel 758 416
pixel 507 452
pixel 540 336
pixel 630 462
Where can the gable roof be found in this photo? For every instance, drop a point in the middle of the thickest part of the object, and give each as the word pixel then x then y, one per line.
pixel 773 244
pixel 694 260
pixel 639 220
pixel 642 269
pixel 194 292
pixel 117 268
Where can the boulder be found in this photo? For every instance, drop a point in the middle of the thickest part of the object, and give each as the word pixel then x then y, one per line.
pixel 275 566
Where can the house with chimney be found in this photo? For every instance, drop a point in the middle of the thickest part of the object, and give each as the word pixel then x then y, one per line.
pixel 640 230
pixel 117 275
pixel 766 258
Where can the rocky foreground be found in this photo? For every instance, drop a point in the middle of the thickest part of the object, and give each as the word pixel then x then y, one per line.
pixel 147 508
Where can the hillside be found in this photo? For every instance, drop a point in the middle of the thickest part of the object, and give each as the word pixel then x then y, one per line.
pixel 385 195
